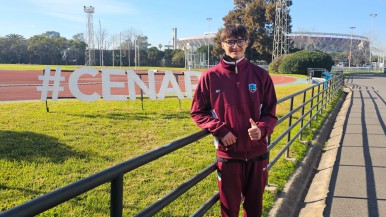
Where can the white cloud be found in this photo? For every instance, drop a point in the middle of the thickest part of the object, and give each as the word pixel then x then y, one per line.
pixel 72 10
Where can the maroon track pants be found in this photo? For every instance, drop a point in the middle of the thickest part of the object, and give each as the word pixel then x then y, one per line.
pixel 242 181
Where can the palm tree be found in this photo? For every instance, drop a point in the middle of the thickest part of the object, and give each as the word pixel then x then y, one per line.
pixel 17 46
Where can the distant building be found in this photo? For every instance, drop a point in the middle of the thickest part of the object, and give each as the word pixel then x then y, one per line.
pixel 328 42
pixel 193 59
pixel 333 42
pixel 325 42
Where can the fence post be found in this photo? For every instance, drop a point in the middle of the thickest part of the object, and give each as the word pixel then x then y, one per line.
pixel 303 108
pixel 116 194
pixel 179 101
pixel 140 77
pixel 289 125
pixel 331 89
pixel 317 101
pixel 312 104
pixel 321 107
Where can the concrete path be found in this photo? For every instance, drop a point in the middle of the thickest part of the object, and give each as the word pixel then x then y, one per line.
pixel 350 179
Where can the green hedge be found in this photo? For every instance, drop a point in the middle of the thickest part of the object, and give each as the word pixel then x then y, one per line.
pixel 297 63
pixel 273 67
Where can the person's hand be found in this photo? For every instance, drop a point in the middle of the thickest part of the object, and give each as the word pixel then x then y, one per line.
pixel 229 139
pixel 254 132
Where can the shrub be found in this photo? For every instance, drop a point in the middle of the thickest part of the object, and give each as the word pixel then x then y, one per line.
pixel 273 67
pixel 297 63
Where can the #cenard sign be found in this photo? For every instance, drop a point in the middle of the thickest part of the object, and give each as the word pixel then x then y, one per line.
pixel 133 79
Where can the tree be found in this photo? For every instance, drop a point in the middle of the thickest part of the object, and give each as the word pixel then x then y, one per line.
pixel 204 50
pixel 128 43
pixel 48 48
pixel 178 58
pixel 100 38
pixel 2 50
pixel 141 45
pixel 15 47
pixel 79 37
pixel 154 56
pixel 167 59
pixel 51 34
pixel 58 50
pixel 258 16
pixel 75 52
pixel 38 46
pixel 299 62
pixel 339 56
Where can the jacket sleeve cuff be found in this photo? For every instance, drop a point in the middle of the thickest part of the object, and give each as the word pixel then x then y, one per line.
pixel 263 131
pixel 221 132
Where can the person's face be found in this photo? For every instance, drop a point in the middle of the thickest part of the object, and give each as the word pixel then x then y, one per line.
pixel 234 48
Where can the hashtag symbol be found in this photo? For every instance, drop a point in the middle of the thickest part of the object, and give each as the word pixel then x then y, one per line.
pixel 55 88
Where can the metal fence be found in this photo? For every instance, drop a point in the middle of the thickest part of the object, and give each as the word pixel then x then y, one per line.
pixel 358 69
pixel 301 113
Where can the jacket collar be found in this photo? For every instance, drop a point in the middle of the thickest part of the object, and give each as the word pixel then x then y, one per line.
pixel 232 65
pixel 230 60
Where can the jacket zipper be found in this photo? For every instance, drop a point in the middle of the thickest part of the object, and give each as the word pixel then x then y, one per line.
pixel 236 68
pixel 237 77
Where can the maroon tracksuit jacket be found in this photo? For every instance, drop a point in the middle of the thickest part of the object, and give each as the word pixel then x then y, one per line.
pixel 227 95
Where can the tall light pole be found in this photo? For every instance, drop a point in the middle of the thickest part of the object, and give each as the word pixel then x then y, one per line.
pixel 208 19
pixel 101 45
pixel 113 42
pixel 373 15
pixel 138 46
pixel 120 50
pixel 174 34
pixel 350 54
pixel 90 55
pixel 280 38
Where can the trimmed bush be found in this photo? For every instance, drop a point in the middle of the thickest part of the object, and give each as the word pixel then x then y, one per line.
pixel 297 63
pixel 273 67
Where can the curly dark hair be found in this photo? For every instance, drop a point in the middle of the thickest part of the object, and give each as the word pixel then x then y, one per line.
pixel 234 30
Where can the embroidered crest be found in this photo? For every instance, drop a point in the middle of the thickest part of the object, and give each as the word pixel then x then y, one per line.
pixel 252 88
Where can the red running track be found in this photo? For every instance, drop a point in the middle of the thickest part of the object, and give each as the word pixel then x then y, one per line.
pixel 22 85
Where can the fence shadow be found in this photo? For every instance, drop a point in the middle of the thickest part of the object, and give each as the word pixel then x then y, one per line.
pixel 35 147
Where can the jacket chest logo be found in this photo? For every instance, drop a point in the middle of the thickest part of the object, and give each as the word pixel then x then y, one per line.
pixel 252 88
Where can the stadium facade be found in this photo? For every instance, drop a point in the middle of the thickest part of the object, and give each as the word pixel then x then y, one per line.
pixel 328 42
pixel 194 59
pixel 325 42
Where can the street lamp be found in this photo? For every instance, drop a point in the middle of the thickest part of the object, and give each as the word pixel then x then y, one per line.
pixel 373 15
pixel 208 19
pixel 350 54
pixel 101 45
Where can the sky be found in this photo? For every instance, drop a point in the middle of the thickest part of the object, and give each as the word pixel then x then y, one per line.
pixel 156 18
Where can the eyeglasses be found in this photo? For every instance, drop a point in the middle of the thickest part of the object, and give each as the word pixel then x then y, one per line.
pixel 231 43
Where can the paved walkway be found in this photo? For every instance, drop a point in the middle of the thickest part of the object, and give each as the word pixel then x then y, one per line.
pixel 351 177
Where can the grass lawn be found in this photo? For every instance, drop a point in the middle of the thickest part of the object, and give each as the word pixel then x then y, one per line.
pixel 41 151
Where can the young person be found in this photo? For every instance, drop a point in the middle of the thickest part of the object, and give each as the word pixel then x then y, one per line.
pixel 236 101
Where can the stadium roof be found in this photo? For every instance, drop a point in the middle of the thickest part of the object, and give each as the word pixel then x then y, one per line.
pixel 302 40
pixel 196 42
pixel 327 35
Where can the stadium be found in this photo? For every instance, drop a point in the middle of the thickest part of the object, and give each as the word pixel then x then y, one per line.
pixel 194 59
pixel 328 42
pixel 325 42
